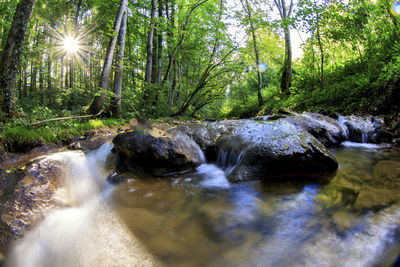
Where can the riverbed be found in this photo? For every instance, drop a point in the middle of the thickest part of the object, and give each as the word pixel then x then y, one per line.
pixel 201 219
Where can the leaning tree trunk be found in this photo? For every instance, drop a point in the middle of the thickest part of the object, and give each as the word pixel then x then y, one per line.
pixel 11 57
pixel 116 107
pixel 98 100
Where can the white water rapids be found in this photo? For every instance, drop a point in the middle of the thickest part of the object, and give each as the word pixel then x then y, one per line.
pixel 86 232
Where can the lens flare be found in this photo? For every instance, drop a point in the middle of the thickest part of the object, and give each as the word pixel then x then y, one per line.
pixel 70 45
pixel 262 67
pixel 395 9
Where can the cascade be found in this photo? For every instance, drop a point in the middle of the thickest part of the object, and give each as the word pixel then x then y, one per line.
pixel 228 160
pixel 341 121
pixel 85 230
pixel 215 175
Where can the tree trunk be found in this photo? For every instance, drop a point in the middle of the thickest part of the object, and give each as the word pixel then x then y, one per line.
pixel 25 81
pixel 49 64
pixel 247 8
pixel 160 47
pixel 322 53
pixel 66 75
pixel 33 77
pixel 62 73
pixel 11 56
pixel 286 80
pixel 98 100
pixel 154 60
pixel 71 72
pixel 149 62
pixel 119 61
pixel 41 74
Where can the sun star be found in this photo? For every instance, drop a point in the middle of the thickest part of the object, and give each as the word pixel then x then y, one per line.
pixel 70 45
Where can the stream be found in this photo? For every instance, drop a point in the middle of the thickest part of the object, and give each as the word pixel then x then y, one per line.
pixel 201 219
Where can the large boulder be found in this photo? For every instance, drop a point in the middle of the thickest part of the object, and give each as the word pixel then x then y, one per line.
pixel 206 134
pixel 157 151
pixel 26 195
pixel 364 129
pixel 327 130
pixel 276 149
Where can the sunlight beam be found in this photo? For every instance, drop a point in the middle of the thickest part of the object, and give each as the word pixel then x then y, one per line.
pixel 70 45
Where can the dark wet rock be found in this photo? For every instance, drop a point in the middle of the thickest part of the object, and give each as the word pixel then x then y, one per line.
pixel 276 149
pixel 11 160
pixel 365 129
pixel 26 195
pixel 327 130
pixel 93 139
pixel 156 151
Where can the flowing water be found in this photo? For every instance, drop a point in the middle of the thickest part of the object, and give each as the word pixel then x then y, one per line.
pixel 201 219
pixel 85 230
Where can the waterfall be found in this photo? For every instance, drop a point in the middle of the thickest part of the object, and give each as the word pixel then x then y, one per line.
pixel 84 231
pixel 202 156
pixel 341 121
pixel 358 129
pixel 215 175
pixel 228 160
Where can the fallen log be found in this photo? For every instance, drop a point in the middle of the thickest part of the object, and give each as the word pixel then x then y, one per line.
pixel 66 118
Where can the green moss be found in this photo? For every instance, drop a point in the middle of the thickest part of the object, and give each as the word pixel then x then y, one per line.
pixel 53 132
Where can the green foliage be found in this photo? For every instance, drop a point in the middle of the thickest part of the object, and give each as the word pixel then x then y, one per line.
pixel 16 138
pixel 211 75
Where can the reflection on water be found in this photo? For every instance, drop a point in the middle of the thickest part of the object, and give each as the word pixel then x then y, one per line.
pixel 202 220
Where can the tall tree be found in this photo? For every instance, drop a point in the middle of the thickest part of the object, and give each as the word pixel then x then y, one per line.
pixel 285 14
pixel 119 61
pixel 98 100
pixel 247 8
pixel 11 56
pixel 160 41
pixel 150 36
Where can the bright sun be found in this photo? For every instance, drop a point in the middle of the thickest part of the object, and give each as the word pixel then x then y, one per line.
pixel 70 45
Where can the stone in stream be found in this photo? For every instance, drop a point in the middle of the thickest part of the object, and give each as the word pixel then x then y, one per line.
pixel 276 149
pixel 157 151
pixel 382 188
pixel 327 130
pixel 26 195
pixel 365 129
